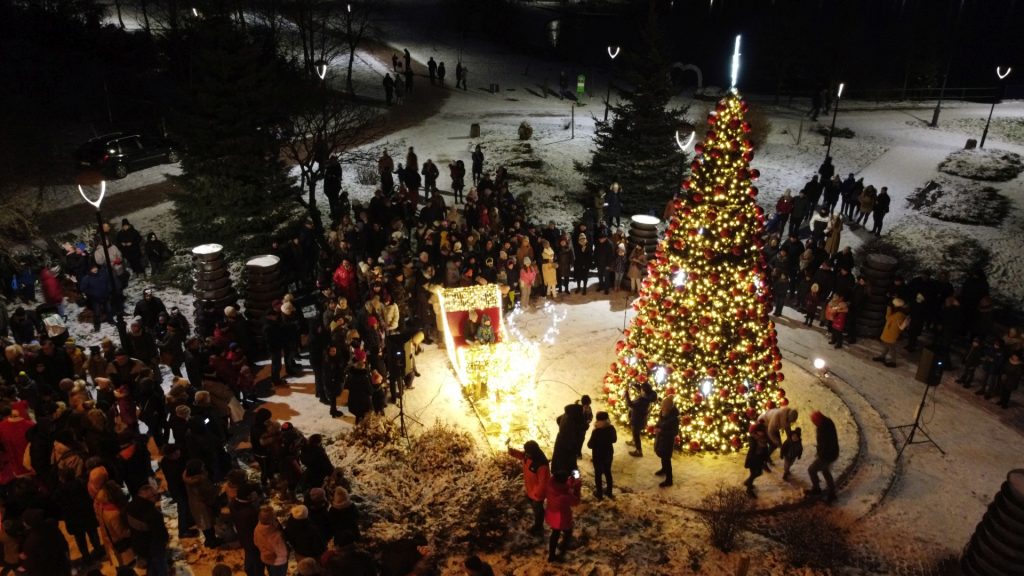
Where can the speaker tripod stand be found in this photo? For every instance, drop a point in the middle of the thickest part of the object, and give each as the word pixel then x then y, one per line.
pixel 915 427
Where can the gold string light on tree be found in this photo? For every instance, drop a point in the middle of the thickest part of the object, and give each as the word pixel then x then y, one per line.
pixel 702 330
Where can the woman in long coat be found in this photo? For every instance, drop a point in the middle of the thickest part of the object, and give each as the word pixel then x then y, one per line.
pixel 584 254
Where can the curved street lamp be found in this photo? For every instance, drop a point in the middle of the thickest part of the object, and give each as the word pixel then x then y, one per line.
pixel 117 304
pixel 613 51
pixel 995 98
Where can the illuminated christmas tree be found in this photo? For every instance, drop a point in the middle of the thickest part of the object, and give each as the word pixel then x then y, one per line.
pixel 702 330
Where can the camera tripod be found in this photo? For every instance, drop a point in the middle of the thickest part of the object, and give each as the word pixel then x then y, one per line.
pixel 916 427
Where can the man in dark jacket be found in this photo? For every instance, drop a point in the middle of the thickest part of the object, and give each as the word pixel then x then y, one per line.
pixel 245 512
pixel 827 452
pixel 801 208
pixel 601 444
pixel 879 211
pixel 129 241
pixel 303 537
pixel 96 287
pixel 604 257
pixel 665 432
pixel 149 310
pixel 639 411
pixel 563 457
pixel 149 533
pixel 276 340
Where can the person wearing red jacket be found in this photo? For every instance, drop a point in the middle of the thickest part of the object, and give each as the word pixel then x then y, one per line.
pixel 563 492
pixel 345 279
pixel 52 291
pixel 13 440
pixel 536 474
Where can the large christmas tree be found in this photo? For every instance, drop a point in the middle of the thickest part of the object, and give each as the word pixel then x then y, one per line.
pixel 702 330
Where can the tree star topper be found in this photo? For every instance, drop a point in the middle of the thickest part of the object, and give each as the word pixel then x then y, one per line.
pixel 735 62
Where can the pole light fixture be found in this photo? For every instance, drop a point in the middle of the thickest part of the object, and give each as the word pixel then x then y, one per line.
pixel 116 291
pixel 835 112
pixel 613 51
pixel 995 99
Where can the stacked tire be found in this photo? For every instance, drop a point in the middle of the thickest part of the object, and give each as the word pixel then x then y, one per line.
pixel 643 230
pixel 997 547
pixel 879 270
pixel 263 285
pixel 212 282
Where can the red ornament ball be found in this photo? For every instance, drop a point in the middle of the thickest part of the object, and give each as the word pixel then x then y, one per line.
pixel 712 371
pixel 784 402
pixel 686 420
pixel 741 389
pixel 781 392
pixel 697 398
pixel 697 197
pixel 779 376
pixel 733 417
pixel 694 446
pixel 686 184
pixel 735 442
pixel 670 390
pixel 650 429
pixel 723 392
pixel 759 387
pixel 769 405
pixel 755 174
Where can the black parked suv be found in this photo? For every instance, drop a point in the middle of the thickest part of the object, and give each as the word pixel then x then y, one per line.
pixel 118 154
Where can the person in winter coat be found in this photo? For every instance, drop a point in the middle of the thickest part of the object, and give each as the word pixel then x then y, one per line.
pixel 527 276
pixel 613 208
pixel 620 263
pixel 1010 379
pixel 827 452
pixel 776 421
pixel 604 259
pixel 457 171
pixel 866 202
pixel 792 450
pixel 879 210
pixel 895 317
pixel 665 432
pixel 567 442
pixel 360 388
pixel 562 493
pixel 13 442
pixel 269 539
pixel 302 536
pixel 801 207
pixel 583 255
pixel 549 269
pixel 149 533
pixel 833 234
pixel 477 164
pixel 639 399
pixel 157 252
pixel 52 291
pixel 202 501
pixel 244 511
pixel 783 208
pixel 536 474
pixel 993 362
pixel 96 287
pixel 109 502
pixel 343 518
pixel 839 309
pixel 811 302
pixel 566 263
pixel 44 550
pixel 130 242
pixel 75 505
pixel 758 450
pixel 971 361
pixel 601 444
pixel 637 268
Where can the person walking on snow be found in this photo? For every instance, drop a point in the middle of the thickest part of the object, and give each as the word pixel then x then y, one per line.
pixel 389 88
pixel 563 492
pixel 881 208
pixel 827 452
pixel 536 474
pixel 432 70
pixel 440 74
pixel 665 432
pixel 601 444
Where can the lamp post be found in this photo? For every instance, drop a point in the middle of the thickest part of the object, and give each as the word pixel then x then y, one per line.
pixel 117 299
pixel 608 96
pixel 835 112
pixel 995 98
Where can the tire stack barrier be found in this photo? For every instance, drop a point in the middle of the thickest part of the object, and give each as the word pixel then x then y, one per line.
pixel 643 230
pixel 262 285
pixel 879 270
pixel 997 546
pixel 213 288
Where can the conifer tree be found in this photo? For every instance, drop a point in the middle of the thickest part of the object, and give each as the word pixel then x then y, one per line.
pixel 234 188
pixel 702 330
pixel 636 147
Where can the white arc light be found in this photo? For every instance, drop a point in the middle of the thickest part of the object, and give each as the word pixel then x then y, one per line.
pixel 840 93
pixel 195 13
pixel 1001 74
pixel 321 70
pixel 680 143
pixel 103 192
pixel 613 54
pixel 736 62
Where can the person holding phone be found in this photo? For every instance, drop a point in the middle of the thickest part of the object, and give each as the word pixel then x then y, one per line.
pixel 536 474
pixel 563 492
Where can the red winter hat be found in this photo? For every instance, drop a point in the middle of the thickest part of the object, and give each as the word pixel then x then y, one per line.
pixel 360 355
pixel 817 418
pixel 371 321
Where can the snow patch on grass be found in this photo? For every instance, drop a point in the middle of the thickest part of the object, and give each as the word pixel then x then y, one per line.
pixel 960 201
pixel 992 165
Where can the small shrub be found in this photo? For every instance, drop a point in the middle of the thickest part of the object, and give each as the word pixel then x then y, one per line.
pixel 811 537
pixel 695 557
pixel 988 164
pixel 367 175
pixel 725 514
pixel 525 130
pixel 839 132
pixel 374 432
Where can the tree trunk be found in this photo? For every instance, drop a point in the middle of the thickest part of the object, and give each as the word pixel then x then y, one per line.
pixel 120 20
pixel 348 76
pixel 314 211
pixel 144 7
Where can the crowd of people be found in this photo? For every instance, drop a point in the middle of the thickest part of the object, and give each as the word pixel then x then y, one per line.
pixel 77 423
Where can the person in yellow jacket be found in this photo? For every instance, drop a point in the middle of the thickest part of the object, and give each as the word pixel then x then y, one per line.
pixel 896 321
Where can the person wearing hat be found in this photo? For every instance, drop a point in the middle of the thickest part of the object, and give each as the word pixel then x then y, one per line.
pixel 601 444
pixel 129 241
pixel 343 518
pixel 665 432
pixel 302 536
pixel 527 277
pixel 826 452
pixel 149 533
pixel 269 539
pixel 583 256
pixel 359 385
pixel 549 268
pixel 202 501
pixel 895 323
pixel 149 309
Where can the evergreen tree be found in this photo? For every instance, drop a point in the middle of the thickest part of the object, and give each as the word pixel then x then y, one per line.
pixel 233 185
pixel 702 330
pixel 636 147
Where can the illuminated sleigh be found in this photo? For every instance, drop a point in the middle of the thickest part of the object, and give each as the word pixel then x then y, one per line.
pixel 497 378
